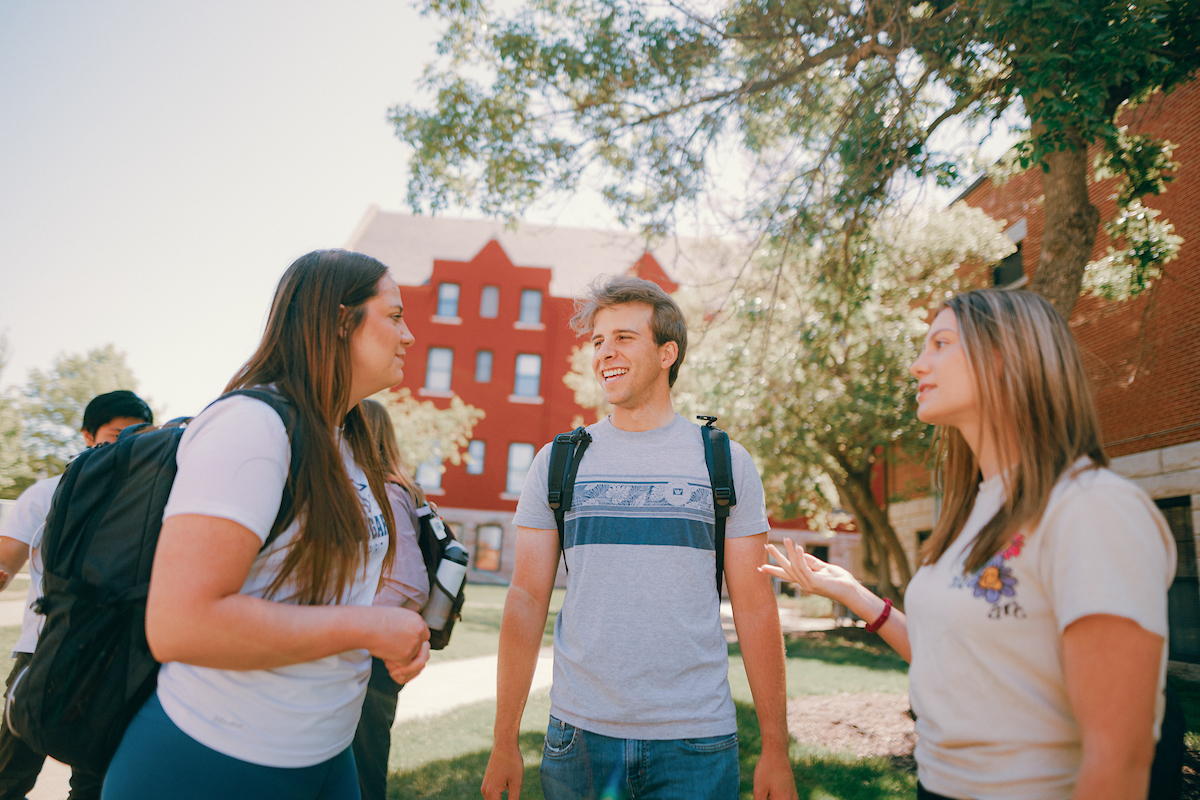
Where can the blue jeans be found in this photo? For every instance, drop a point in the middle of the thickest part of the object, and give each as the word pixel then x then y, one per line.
pixel 579 765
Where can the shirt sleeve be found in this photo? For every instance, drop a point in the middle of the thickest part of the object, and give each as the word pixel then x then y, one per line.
pixel 233 463
pixel 533 509
pixel 29 514
pixel 749 516
pixel 1109 551
pixel 408 581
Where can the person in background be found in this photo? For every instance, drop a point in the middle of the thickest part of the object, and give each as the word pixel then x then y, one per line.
pixel 1036 625
pixel 20 539
pixel 266 647
pixel 406 585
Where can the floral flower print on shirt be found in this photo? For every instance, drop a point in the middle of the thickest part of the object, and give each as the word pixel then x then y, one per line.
pixel 995 580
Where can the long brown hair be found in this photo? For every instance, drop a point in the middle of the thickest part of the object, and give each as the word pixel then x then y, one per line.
pixel 383 433
pixel 305 353
pixel 1034 394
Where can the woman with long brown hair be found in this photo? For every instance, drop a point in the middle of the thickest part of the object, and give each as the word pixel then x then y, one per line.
pixel 1036 625
pixel 266 642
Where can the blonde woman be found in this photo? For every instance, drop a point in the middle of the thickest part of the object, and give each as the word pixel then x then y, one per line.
pixel 1036 625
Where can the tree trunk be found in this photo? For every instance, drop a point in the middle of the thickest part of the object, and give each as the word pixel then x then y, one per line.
pixel 879 537
pixel 1070 225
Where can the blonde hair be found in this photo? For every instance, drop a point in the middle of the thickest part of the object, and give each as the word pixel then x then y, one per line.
pixel 1034 395
pixel 666 320
pixel 383 433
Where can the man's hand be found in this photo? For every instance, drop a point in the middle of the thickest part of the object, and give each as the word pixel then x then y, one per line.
pixel 505 771
pixel 773 778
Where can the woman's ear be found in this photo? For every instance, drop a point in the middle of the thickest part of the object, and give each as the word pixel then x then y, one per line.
pixel 341 320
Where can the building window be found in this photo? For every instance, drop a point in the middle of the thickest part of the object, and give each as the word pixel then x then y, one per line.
pixel 429 473
pixel 488 539
pixel 531 306
pixel 1183 598
pixel 529 375
pixel 520 458
pixel 489 302
pixel 437 371
pixel 447 300
pixel 1010 270
pixel 475 453
pixel 483 366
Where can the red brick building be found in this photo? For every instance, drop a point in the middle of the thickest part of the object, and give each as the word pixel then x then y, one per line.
pixel 1143 355
pixel 495 333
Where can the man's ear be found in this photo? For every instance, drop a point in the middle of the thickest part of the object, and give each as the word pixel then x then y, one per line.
pixel 669 351
pixel 89 439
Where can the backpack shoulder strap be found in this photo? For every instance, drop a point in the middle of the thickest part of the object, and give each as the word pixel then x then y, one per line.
pixel 287 412
pixel 565 454
pixel 719 459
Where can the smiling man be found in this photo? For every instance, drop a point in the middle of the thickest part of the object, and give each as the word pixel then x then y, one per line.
pixel 640 704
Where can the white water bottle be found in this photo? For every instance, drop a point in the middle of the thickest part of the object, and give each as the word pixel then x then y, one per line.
pixel 449 579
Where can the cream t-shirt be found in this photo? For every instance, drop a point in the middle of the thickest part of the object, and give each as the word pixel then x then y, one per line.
pixel 986 680
pixel 233 461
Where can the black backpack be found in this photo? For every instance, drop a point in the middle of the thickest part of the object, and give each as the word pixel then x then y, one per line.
pixel 567 452
pixel 434 537
pixel 92 668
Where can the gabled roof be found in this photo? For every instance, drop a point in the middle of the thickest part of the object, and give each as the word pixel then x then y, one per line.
pixel 409 244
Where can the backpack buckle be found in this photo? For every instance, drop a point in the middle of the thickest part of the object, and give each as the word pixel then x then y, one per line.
pixel 722 495
pixel 707 420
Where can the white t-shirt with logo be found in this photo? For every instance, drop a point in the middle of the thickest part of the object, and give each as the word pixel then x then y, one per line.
pixel 986 680
pixel 26 524
pixel 233 461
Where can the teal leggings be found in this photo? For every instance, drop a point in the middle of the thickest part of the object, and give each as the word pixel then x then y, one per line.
pixel 156 759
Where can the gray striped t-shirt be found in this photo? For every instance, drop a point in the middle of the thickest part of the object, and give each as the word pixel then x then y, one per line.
pixel 638 647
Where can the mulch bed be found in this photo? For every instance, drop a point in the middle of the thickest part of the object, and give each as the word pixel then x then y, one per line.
pixel 866 725
pixel 881 725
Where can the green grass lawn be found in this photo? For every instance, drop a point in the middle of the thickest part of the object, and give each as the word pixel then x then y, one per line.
pixel 445 756
pixel 478 632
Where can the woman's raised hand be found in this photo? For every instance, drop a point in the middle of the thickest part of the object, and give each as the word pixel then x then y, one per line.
pixel 810 573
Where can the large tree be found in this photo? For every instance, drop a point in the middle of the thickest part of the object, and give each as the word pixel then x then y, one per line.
pixel 825 108
pixel 815 379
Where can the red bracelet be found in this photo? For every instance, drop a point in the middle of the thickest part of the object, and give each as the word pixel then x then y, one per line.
pixel 883 616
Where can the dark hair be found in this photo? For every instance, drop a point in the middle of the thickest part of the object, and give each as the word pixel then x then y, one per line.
pixel 104 408
pixel 383 432
pixel 666 321
pixel 305 353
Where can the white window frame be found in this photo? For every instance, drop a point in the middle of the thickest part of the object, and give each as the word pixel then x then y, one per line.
pixel 520 459
pixel 429 371
pixel 518 376
pixel 522 317
pixel 480 357
pixel 476 454
pixel 443 311
pixel 489 302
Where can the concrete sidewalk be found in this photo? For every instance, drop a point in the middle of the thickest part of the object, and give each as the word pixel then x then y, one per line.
pixel 441 687
pixel 447 685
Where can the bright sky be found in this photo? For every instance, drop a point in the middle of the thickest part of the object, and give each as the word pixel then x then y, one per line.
pixel 161 163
